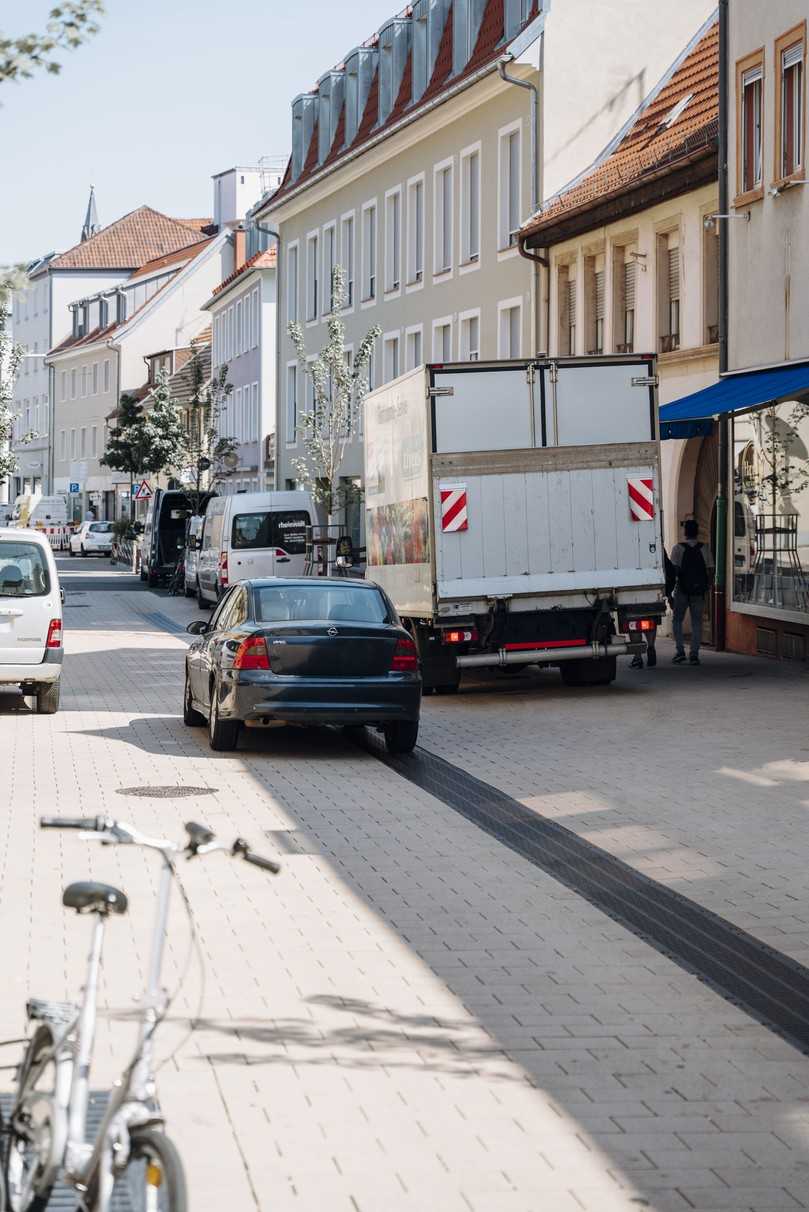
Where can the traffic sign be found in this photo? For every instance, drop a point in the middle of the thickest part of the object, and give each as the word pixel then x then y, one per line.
pixel 143 491
pixel 75 488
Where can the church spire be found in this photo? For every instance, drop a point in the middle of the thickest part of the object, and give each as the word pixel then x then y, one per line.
pixel 91 223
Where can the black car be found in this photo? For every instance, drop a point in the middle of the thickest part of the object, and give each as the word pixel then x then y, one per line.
pixel 325 650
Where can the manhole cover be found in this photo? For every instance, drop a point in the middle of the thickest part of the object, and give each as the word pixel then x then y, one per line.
pixel 166 793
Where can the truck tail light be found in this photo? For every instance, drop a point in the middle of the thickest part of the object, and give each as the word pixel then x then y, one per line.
pixel 54 639
pixel 463 635
pixel 405 657
pixel 252 654
pixel 642 624
pixel 223 569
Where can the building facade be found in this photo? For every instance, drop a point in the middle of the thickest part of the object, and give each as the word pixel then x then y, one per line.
pixel 768 326
pixel 242 314
pixel 414 165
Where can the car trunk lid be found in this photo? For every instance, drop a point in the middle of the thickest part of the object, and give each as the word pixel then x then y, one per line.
pixel 331 650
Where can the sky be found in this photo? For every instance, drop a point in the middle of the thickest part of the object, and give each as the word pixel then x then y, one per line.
pixel 168 93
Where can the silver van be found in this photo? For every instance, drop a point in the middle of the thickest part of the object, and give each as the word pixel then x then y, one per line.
pixel 252 534
pixel 30 617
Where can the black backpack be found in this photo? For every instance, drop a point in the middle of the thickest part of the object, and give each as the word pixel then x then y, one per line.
pixel 692 578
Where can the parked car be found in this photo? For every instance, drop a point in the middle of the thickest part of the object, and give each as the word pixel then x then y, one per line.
pixel 193 535
pixel 252 534
pixel 30 617
pixel 92 538
pixel 164 534
pixel 303 651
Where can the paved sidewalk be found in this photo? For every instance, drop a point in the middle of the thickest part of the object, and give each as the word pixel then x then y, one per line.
pixel 412 1016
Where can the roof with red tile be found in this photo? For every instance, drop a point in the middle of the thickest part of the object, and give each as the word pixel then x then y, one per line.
pixel 174 258
pixel 129 242
pixel 260 260
pixel 659 141
pixel 488 47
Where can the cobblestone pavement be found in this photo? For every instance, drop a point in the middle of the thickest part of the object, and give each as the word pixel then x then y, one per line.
pixel 412 1015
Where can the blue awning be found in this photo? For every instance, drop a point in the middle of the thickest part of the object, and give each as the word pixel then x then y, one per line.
pixel 737 393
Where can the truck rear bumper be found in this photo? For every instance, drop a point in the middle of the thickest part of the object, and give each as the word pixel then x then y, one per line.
pixel 551 656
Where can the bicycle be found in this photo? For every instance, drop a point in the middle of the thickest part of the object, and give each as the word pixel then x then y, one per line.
pixel 47 1129
pixel 177 580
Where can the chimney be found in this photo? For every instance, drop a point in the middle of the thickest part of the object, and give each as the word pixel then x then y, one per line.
pixel 239 247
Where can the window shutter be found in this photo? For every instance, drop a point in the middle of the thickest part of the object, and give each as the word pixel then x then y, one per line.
pixel 630 274
pixel 674 273
pixel 571 300
pixel 792 56
pixel 752 75
pixel 599 285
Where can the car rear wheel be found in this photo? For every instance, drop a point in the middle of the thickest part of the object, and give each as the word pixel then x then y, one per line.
pixel 401 736
pixel 223 735
pixel 191 716
pixel 48 699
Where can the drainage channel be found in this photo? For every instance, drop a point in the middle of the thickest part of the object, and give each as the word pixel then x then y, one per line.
pixel 769 986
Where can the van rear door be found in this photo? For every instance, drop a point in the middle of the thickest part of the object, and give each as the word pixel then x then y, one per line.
pixel 267 543
pixel 289 538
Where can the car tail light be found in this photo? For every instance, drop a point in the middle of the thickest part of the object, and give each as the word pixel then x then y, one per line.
pixel 463 635
pixel 405 657
pixel 223 569
pixel 54 634
pixel 642 624
pixel 252 654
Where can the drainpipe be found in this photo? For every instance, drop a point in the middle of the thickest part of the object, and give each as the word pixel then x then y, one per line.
pixel 721 542
pixel 502 64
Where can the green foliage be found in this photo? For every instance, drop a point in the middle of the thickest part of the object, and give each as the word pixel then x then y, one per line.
pixel 69 25
pixel 10 357
pixel 202 456
pixel 162 428
pixel 127 444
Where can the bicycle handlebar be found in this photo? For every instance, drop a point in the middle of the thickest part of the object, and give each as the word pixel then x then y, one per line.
pixel 92 823
pixel 241 849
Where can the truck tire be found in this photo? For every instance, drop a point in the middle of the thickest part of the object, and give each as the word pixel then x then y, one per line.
pixel 589 673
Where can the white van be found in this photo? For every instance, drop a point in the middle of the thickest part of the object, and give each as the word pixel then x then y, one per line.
pixel 30 617
pixel 252 534
pixel 32 509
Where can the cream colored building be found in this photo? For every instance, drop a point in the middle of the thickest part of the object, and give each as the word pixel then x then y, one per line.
pixel 414 165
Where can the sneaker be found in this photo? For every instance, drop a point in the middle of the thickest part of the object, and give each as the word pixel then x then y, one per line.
pixel 693 659
pixel 679 659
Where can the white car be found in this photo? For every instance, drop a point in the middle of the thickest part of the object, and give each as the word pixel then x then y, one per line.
pixel 30 617
pixel 92 538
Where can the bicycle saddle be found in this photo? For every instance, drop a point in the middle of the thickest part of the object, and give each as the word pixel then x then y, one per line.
pixel 98 898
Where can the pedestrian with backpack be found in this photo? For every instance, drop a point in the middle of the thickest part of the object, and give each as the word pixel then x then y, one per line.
pixel 693 564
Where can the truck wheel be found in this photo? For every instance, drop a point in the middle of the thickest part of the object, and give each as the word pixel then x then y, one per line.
pixel 589 673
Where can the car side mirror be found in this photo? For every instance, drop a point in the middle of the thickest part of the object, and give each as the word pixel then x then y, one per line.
pixel 197 627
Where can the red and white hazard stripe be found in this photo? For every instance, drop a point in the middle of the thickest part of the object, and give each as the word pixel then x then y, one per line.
pixel 454 514
pixel 641 500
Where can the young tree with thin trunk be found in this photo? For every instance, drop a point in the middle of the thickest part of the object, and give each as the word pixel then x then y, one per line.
pixel 203 453
pixel 127 445
pixel 339 389
pixel 10 357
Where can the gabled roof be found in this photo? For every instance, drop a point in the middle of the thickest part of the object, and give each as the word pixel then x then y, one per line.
pixel 678 125
pixel 137 237
pixel 488 48
pixel 260 260
pixel 174 258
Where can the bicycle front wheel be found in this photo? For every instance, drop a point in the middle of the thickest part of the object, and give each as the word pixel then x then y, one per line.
pixel 153 1180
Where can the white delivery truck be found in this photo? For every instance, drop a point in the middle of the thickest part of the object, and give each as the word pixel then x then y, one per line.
pixel 513 512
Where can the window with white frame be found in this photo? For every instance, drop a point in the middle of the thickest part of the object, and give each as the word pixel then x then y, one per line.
pixel 255 413
pixel 594 303
pixel 312 276
pixel 329 262
pixel 292 283
pixel 668 291
pixel 256 335
pixel 94 441
pixel 390 353
pixel 470 335
pixel 64 384
pixel 347 255
pixel 292 403
pixel 106 374
pixel 239 329
pixel 369 252
pixel 509 175
pixel 442 340
pixel 751 114
pixel 413 350
pixel 624 284
pixel 790 51
pixel 84 381
pixel 415 230
pixel 62 443
pixel 248 322
pixel 509 329
pixel 95 379
pixel 567 296
pixel 442 209
pixel 470 204
pixel 72 443
pixel 393 239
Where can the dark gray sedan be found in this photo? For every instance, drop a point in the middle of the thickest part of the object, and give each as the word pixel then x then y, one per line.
pixel 309 651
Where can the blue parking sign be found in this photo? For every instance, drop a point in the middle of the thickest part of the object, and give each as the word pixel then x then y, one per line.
pixel 74 488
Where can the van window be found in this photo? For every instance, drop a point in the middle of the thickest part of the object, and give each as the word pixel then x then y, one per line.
pixel 251 530
pixel 23 570
pixel 212 531
pixel 271 528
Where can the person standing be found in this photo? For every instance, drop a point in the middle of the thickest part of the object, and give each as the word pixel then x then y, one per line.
pixel 693 564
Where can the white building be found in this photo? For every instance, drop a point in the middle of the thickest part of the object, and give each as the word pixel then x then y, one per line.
pixel 242 312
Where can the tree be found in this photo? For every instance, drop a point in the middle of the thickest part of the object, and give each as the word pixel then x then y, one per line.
pixel 202 456
pixel 10 357
pixel 127 445
pixel 339 389
pixel 162 428
pixel 69 25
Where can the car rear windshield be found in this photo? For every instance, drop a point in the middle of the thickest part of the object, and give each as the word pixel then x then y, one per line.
pixel 23 570
pixel 101 527
pixel 284 528
pixel 300 603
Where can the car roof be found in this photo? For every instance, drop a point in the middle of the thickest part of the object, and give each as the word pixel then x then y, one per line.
pixel 335 582
pixel 19 533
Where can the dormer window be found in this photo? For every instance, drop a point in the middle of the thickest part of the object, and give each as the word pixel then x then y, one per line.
pixel 103 313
